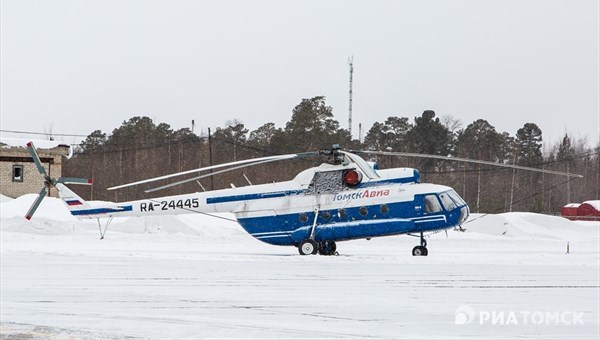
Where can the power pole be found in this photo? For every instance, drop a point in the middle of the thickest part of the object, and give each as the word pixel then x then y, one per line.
pixel 350 60
pixel 568 185
pixel 359 132
pixel 212 181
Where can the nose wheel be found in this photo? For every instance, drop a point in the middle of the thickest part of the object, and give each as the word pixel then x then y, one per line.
pixel 419 251
pixel 422 249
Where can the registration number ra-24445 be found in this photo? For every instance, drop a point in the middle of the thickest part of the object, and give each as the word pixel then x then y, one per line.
pixel 170 205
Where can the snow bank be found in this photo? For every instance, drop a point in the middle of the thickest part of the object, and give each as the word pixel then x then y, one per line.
pixel 51 208
pixel 528 225
pixel 4 198
pixel 53 218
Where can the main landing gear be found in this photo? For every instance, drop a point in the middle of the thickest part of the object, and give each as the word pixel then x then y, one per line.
pixel 310 247
pixel 422 249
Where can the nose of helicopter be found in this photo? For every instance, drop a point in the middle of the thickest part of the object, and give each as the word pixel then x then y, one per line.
pixel 464 214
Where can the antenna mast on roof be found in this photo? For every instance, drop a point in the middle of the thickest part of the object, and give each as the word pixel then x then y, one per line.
pixel 350 61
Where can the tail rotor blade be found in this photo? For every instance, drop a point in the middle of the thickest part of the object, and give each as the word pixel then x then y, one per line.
pixel 72 180
pixel 36 158
pixel 36 204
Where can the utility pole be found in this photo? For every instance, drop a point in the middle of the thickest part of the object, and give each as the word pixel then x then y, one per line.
pixel 350 61
pixel 568 185
pixel 360 132
pixel 212 181
pixel 512 185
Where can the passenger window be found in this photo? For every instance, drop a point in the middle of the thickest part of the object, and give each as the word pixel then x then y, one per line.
pixel 303 217
pixel 447 201
pixel 384 209
pixel 432 205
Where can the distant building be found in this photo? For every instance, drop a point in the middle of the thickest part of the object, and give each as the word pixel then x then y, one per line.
pixel 588 210
pixel 19 174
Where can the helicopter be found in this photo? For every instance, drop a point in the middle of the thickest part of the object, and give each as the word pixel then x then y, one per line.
pixel 345 198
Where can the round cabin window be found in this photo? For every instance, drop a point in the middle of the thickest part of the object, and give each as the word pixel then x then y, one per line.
pixel 363 211
pixel 303 217
pixel 326 215
pixel 384 209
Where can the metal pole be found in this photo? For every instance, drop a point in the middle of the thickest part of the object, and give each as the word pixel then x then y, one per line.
pixel 350 60
pixel 568 186
pixel 210 159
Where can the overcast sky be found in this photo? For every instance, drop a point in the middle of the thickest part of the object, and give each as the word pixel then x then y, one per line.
pixel 78 66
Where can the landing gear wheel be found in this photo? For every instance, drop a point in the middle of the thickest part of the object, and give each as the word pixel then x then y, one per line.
pixel 327 248
pixel 308 247
pixel 419 251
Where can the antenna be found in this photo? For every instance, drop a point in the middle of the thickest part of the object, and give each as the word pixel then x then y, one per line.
pixel 350 61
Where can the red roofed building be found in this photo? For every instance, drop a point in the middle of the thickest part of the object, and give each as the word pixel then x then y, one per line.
pixel 588 210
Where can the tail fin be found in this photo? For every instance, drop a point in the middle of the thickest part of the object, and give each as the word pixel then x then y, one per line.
pixel 82 209
pixel 73 202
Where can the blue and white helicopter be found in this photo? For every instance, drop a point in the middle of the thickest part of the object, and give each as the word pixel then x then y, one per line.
pixel 344 199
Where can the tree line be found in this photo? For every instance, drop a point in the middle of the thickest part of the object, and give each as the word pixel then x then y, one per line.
pixel 141 149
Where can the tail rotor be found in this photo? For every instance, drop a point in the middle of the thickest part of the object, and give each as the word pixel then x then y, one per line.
pixel 48 181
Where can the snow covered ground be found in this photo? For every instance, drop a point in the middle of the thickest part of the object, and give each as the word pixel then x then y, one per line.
pixel 195 276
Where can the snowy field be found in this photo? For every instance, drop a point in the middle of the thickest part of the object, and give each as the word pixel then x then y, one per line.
pixel 508 276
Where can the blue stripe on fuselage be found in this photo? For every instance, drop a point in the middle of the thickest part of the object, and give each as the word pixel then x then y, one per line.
pixel 276 229
pixel 100 211
pixel 247 197
pixel 255 196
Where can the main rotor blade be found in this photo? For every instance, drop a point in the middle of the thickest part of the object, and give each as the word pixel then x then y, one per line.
pixel 366 169
pixel 36 204
pixel 207 175
pixel 468 160
pixel 36 158
pixel 218 166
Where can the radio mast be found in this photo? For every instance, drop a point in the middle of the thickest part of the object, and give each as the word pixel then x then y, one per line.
pixel 350 60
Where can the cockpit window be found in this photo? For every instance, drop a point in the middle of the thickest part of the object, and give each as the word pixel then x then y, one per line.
pixel 447 201
pixel 432 205
pixel 456 198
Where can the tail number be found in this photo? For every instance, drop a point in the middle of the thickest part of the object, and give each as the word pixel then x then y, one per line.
pixel 170 205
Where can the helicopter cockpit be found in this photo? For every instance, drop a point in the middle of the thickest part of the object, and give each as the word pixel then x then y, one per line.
pixel 449 200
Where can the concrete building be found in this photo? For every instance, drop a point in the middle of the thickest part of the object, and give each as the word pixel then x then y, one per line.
pixel 19 175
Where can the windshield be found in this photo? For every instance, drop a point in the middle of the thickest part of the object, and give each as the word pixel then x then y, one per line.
pixel 456 198
pixel 447 201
